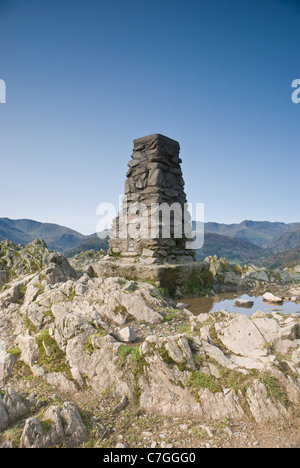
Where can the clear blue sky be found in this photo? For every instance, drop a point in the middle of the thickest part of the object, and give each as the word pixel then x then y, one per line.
pixel 86 77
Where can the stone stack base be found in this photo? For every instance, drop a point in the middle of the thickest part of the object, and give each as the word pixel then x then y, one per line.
pixel 185 279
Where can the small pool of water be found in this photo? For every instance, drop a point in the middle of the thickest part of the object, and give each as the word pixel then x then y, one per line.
pixel 226 301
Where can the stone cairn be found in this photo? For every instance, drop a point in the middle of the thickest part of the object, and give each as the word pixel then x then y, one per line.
pixel 141 233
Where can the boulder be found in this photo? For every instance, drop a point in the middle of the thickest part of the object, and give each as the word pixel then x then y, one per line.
pixel 29 349
pixel 7 361
pixel 263 408
pixel 127 335
pixel 57 268
pixel 12 408
pixel 4 419
pixel 244 303
pixel 136 306
pixel 269 297
pixel 242 337
pixel 64 426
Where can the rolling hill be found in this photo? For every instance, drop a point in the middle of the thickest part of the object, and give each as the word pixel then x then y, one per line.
pixel 23 231
pixel 288 240
pixel 90 243
pixel 259 233
pixel 288 258
pixel 234 249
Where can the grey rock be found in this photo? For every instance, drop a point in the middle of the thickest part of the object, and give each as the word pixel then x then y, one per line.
pixel 15 406
pixel 4 419
pixel 6 363
pixel 244 303
pixel 66 427
pixel 264 409
pixel 122 405
pixel 29 349
pixel 127 335
pixel 269 297
pixel 74 428
pixel 7 445
pixel 57 268
pixel 242 337
pixel 33 434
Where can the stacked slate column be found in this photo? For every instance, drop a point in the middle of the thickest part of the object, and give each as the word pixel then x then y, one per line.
pixel 153 225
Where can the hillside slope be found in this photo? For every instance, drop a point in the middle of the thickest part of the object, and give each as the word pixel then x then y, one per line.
pixel 256 232
pixel 288 258
pixel 23 231
pixel 90 243
pixel 235 250
pixel 287 241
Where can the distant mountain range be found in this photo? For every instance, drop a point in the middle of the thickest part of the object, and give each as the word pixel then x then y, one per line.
pixel 259 242
pixel 234 249
pixel 260 233
pixel 23 231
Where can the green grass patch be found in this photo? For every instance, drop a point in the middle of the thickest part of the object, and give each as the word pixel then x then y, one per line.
pixel 29 325
pixel 163 291
pixel 48 313
pixel 136 365
pixel 170 315
pixel 121 310
pixel 197 284
pixel 186 328
pixel 236 380
pixel 170 361
pixel 46 425
pixel 14 351
pixel 89 347
pixel 123 352
pixel 13 434
pixel 22 371
pixel 198 380
pixel 51 358
pixel 21 294
pixel 274 389
pixel 72 294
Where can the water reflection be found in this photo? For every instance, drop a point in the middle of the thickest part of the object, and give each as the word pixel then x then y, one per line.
pixel 226 301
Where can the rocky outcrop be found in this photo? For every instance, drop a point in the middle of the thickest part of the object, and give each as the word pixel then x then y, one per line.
pixel 208 381
pixel 60 425
pixel 86 334
pixel 12 409
pixel 82 325
pixel 238 277
pixel 57 426
pixel 19 262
